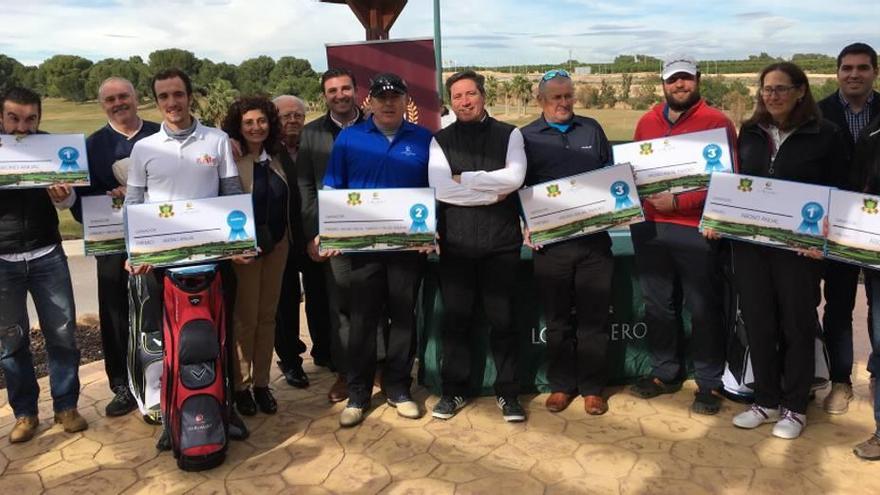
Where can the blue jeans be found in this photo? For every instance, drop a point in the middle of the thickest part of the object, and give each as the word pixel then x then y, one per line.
pixel 873 279
pixel 48 280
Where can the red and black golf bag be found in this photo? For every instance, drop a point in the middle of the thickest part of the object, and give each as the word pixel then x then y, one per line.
pixel 194 394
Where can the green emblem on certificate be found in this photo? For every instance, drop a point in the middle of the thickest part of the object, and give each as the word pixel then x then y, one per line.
pixel 870 206
pixel 553 190
pixel 116 203
pixel 646 149
pixel 745 185
pixel 166 211
pixel 354 199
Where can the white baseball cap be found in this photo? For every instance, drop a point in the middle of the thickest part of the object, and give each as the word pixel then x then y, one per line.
pixel 679 63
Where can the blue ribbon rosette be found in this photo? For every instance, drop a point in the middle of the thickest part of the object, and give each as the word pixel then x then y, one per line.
pixel 236 221
pixel 712 155
pixel 68 156
pixel 418 213
pixel 620 192
pixel 811 213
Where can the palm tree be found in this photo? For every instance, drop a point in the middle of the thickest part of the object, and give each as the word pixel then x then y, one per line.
pixel 213 106
pixel 522 90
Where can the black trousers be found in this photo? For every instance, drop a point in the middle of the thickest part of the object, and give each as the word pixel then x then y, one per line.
pixel 113 316
pixel 462 282
pixel 675 262
pixel 576 274
pixel 384 286
pixel 779 293
pixel 841 284
pixel 288 344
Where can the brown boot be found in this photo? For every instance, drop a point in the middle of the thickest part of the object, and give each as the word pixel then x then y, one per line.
pixel 339 391
pixel 558 401
pixel 24 429
pixel 595 405
pixel 71 420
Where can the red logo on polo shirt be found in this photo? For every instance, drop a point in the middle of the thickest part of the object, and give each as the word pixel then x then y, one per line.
pixel 206 159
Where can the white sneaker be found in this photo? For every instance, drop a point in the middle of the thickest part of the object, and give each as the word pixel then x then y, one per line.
pixel 352 415
pixel 406 408
pixel 790 426
pixel 755 416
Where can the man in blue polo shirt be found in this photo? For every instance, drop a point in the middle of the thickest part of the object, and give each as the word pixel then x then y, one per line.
pixel 109 149
pixel 384 151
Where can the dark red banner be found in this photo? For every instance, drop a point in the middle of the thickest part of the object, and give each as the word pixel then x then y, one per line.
pixel 413 60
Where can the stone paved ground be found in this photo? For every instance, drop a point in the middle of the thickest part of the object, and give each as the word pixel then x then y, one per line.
pixel 639 447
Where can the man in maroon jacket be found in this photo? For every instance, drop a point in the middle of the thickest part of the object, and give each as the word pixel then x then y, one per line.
pixel 673 259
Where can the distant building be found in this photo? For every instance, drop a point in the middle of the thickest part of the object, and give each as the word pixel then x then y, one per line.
pixel 584 70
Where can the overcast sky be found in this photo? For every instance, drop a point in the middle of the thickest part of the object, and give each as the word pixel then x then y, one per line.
pixel 477 32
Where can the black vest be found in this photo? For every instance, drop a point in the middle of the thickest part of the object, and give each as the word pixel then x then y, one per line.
pixel 476 231
pixel 27 220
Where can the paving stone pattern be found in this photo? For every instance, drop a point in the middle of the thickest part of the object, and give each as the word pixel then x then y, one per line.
pixel 639 447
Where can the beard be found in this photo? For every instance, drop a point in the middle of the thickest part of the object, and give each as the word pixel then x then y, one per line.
pixel 683 106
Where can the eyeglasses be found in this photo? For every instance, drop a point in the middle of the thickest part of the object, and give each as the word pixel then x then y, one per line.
pixel 552 74
pixel 779 90
pixel 287 117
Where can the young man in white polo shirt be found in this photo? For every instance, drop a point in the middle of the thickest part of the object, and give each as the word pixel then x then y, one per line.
pixel 184 160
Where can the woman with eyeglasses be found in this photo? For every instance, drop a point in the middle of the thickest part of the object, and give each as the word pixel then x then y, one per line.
pixel 254 122
pixel 786 138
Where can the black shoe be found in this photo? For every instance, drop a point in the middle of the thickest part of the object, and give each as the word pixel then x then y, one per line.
pixel 265 401
pixel 649 387
pixel 164 442
pixel 237 429
pixel 295 376
pixel 448 406
pixel 511 409
pixel 122 404
pixel 706 402
pixel 244 402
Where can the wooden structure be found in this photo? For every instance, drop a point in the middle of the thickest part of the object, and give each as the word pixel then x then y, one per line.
pixel 377 16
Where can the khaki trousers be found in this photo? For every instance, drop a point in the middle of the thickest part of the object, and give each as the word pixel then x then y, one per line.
pixel 256 302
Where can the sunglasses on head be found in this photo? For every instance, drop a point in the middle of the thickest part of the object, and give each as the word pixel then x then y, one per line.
pixel 552 74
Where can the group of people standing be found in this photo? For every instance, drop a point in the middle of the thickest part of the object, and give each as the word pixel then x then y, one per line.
pixel 361 307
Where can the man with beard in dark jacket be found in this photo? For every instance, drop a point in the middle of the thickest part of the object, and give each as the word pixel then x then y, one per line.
pixel 32 260
pixel 475 165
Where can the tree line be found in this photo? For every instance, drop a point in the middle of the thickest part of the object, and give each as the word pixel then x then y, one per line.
pixel 75 78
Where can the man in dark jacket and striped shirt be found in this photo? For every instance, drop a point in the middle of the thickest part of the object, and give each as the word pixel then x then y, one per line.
pixel 475 165
pixel 852 107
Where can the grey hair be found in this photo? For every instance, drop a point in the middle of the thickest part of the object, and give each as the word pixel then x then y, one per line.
pixel 112 79
pixel 295 99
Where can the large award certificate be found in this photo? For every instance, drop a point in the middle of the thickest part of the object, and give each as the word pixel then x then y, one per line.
pixel 581 204
pixel 376 219
pixel 190 231
pixel 676 163
pixel 103 228
pixel 854 228
pixel 767 211
pixel 40 160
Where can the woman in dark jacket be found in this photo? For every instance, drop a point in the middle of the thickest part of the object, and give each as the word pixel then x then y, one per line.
pixel 254 122
pixel 786 138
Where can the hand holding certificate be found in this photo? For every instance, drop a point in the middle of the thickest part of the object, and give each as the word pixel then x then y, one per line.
pixel 190 231
pixel 581 204
pixel 40 160
pixel 766 211
pixel 676 163
pixel 376 219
